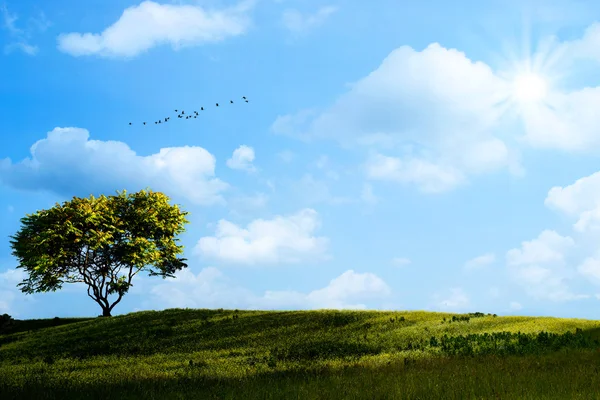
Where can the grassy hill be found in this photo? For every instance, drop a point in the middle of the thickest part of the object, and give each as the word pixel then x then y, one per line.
pixel 300 354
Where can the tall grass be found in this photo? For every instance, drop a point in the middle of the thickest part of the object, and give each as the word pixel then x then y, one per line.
pixel 301 354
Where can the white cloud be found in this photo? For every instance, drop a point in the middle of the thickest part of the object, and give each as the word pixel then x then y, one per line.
pixel 481 261
pixel 549 247
pixel 457 300
pixel 400 261
pixel 210 288
pixel 24 47
pixel 585 47
pixel 242 159
pixel 430 178
pixel 299 23
pixel 20 37
pixel 151 24
pixel 283 239
pixel 580 199
pixel 542 265
pixel 349 286
pixel 590 268
pixel 442 118
pixel 539 266
pixel 568 122
pixel 9 20
pixel 434 110
pixel 68 163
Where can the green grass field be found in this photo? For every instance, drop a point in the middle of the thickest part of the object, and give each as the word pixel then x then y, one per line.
pixel 226 354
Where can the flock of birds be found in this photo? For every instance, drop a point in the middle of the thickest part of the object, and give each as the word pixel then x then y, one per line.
pixel 181 114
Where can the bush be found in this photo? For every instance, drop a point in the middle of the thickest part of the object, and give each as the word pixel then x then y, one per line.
pixel 506 343
pixel 5 321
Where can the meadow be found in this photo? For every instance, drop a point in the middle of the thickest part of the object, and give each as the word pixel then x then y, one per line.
pixel 325 354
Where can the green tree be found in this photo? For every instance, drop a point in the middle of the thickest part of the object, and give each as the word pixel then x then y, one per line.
pixel 103 242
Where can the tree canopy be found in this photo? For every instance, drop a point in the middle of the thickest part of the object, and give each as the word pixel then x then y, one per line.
pixel 103 242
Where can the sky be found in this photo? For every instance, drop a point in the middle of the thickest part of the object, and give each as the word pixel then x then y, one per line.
pixel 392 155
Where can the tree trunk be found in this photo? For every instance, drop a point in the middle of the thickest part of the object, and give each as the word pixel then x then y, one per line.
pixel 106 312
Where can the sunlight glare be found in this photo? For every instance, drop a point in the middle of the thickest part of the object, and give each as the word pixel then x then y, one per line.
pixel 529 88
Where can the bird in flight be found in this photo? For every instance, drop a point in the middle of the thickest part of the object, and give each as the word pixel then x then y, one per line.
pixel 195 114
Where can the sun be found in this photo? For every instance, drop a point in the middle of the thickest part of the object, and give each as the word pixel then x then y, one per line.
pixel 529 88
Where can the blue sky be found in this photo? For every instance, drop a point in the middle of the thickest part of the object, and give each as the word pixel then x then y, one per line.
pixel 404 155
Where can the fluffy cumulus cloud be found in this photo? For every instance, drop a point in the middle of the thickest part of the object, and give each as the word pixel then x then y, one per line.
pixel 211 288
pixel 580 200
pixel 150 24
pixel 434 112
pixel 350 286
pixel 541 267
pixel 568 119
pixel 283 239
pixel 586 47
pixel 568 122
pixel 549 265
pixel 68 163
pixel 435 118
pixel 590 268
pixel 299 23
pixel 242 159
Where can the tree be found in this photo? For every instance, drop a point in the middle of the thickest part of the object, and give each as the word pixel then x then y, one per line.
pixel 93 240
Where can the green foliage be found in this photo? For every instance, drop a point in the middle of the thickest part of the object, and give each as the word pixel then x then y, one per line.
pixel 6 321
pixel 92 240
pixel 467 318
pixel 507 343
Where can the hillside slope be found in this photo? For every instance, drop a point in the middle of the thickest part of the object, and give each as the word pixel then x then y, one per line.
pixel 178 344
